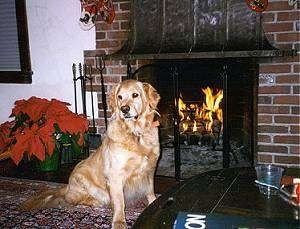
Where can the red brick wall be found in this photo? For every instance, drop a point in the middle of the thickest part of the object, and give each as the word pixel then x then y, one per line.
pixel 109 39
pixel 278 93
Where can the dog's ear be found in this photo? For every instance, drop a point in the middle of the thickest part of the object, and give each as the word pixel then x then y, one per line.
pixel 152 95
pixel 112 101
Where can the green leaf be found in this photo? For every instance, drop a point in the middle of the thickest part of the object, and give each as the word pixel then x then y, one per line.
pixel 65 138
pixel 75 147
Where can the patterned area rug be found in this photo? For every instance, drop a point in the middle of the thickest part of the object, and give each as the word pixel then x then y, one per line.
pixel 14 191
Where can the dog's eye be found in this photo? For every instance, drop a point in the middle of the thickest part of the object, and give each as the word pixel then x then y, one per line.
pixel 120 97
pixel 134 95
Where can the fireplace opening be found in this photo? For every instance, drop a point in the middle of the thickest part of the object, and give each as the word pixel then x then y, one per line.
pixel 207 113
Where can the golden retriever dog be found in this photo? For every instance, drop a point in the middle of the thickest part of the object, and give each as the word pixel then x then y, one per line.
pixel 123 167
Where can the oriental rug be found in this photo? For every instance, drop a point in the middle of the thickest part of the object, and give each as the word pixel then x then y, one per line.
pixel 13 191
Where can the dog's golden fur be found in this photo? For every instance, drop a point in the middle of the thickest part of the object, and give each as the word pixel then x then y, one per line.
pixel 123 167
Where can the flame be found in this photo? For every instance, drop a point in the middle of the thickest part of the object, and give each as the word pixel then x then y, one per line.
pixel 181 107
pixel 185 126
pixel 195 126
pixel 205 113
pixel 211 105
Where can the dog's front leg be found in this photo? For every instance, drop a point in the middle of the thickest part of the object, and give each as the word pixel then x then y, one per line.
pixel 150 195
pixel 118 204
pixel 153 157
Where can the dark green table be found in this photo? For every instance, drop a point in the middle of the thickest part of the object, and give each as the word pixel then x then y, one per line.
pixel 227 191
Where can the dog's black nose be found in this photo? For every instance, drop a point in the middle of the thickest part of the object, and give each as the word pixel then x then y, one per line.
pixel 125 109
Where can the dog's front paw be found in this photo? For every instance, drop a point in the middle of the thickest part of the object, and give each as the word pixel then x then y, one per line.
pixel 118 225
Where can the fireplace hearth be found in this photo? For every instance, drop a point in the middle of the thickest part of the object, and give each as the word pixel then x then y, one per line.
pixel 207 113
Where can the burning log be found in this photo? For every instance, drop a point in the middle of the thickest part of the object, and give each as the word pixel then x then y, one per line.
pixel 194 139
pixel 183 139
pixel 198 118
pixel 216 126
pixel 208 139
pixel 217 130
pixel 200 123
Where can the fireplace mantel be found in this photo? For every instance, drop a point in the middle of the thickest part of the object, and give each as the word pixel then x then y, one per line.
pixel 202 55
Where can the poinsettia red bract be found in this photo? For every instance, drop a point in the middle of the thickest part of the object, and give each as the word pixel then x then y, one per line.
pixel 33 132
pixel 5 138
pixel 34 107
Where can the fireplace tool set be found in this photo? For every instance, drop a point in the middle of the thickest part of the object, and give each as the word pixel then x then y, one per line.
pixel 85 76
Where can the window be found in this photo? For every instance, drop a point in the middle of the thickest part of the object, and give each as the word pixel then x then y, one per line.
pixel 15 64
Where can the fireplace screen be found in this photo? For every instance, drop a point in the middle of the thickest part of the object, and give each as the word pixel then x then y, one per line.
pixel 207 114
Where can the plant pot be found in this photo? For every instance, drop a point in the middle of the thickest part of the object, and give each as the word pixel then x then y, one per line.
pixel 51 163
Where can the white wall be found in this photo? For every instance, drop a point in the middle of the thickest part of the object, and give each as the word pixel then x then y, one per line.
pixel 56 42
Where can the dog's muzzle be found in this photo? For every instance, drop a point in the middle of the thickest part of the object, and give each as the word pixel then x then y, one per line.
pixel 125 109
pixel 126 114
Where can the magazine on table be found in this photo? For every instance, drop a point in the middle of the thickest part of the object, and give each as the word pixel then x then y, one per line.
pixel 190 220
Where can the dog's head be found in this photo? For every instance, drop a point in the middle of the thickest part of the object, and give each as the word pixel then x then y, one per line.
pixel 132 99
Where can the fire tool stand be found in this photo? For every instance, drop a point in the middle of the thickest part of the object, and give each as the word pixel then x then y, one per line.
pixel 85 74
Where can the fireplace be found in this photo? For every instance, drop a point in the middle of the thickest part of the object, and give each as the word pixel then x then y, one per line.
pixel 219 33
pixel 206 110
pixel 204 63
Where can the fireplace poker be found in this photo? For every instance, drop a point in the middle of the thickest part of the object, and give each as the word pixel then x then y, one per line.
pixel 90 78
pixel 82 76
pixel 100 65
pixel 74 82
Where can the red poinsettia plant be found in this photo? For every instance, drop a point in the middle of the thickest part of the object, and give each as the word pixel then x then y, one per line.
pixel 38 126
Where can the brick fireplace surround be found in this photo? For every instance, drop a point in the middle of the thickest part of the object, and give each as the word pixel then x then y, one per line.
pixel 278 118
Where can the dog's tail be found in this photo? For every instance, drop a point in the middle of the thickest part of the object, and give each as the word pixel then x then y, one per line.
pixel 46 199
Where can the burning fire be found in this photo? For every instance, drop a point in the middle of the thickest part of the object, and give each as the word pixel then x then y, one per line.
pixel 195 117
pixel 181 106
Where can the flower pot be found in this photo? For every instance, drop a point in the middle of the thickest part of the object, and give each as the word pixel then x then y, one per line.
pixel 51 163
